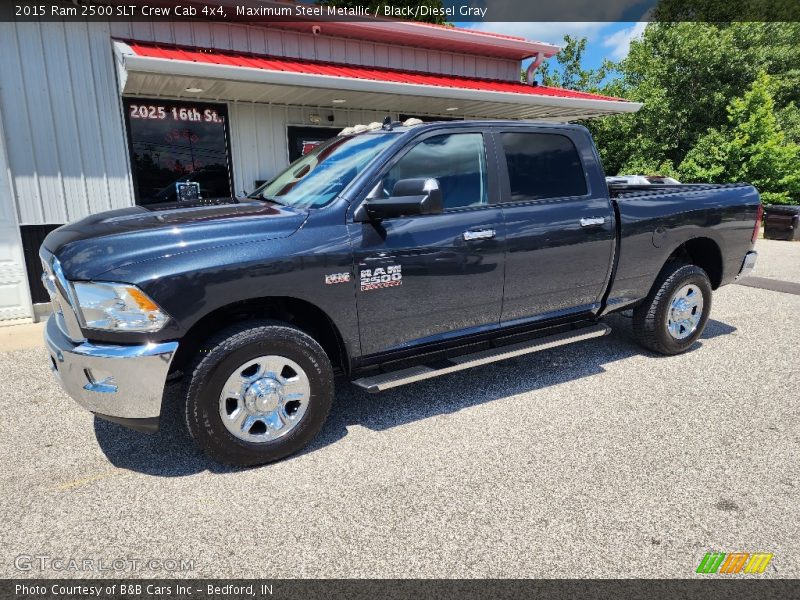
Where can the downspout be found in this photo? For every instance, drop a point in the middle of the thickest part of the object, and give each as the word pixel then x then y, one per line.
pixel 532 67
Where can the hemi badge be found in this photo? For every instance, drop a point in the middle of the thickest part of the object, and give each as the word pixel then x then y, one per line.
pixel 332 278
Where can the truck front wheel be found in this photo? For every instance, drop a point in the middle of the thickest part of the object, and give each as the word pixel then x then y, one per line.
pixel 257 392
pixel 676 311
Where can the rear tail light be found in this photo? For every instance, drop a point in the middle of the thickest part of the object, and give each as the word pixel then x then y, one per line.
pixel 757 226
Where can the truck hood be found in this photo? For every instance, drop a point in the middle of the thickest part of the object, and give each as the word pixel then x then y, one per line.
pixel 117 238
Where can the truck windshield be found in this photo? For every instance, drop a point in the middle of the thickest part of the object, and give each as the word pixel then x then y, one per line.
pixel 315 179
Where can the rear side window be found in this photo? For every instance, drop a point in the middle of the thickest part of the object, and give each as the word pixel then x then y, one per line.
pixel 542 165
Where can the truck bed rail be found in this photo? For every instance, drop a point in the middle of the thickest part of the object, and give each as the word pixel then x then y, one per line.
pixel 624 190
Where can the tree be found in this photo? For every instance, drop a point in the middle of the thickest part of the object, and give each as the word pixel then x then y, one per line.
pixel 725 11
pixel 571 74
pixel 686 74
pixel 750 148
pixel 697 122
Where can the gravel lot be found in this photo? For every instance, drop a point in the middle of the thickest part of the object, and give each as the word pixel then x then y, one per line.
pixel 593 460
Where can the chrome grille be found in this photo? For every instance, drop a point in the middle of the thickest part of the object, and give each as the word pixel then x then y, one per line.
pixel 49 282
pixel 59 290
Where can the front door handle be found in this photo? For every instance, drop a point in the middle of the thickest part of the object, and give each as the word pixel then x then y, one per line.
pixel 592 221
pixel 482 234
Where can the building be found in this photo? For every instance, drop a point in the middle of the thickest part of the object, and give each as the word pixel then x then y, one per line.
pixel 103 115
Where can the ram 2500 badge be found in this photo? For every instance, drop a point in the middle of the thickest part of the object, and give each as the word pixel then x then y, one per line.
pixel 388 256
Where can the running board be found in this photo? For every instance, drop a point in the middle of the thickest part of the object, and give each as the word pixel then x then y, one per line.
pixel 385 381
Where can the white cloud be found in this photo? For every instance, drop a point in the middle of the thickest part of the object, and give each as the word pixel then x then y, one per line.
pixel 551 33
pixel 620 41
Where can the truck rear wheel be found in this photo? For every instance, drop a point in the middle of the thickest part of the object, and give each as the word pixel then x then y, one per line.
pixel 257 392
pixel 676 311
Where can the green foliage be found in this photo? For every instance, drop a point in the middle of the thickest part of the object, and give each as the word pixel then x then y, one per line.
pixel 719 11
pixel 571 74
pixel 708 160
pixel 708 112
pixel 789 121
pixel 750 148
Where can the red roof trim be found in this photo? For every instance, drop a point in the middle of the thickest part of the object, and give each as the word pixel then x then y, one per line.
pixel 294 65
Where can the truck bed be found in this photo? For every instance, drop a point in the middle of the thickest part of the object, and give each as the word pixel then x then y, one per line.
pixel 714 221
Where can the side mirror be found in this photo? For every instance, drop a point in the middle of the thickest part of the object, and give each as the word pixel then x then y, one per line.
pixel 409 197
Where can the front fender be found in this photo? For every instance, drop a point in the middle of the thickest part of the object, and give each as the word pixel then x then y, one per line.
pixel 191 286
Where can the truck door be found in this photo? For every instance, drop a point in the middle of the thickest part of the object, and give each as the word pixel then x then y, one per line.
pixel 560 225
pixel 426 277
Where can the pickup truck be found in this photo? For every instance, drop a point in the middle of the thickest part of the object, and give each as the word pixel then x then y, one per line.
pixel 389 254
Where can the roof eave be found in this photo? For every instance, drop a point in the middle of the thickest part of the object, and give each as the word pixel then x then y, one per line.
pixel 162 66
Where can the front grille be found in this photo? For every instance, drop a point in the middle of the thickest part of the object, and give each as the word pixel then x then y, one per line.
pixel 49 282
pixel 59 290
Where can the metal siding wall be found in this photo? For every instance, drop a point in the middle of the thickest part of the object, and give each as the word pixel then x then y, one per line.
pixel 116 165
pixel 66 141
pixel 261 40
pixel 15 302
pixel 68 152
pixel 17 128
pixel 59 93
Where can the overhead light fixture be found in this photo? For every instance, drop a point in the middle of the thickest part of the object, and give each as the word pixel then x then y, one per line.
pixel 451 108
pixel 338 101
pixel 194 90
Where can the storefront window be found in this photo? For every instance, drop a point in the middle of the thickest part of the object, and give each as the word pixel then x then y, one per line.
pixel 179 150
pixel 303 140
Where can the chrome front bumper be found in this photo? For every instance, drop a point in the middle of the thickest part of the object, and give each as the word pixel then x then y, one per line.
pixel 748 264
pixel 122 382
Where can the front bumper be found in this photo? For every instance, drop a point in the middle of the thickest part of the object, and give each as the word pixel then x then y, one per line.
pixel 121 383
pixel 748 264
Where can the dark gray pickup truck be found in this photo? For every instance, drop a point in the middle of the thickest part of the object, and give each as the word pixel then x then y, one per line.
pixel 388 255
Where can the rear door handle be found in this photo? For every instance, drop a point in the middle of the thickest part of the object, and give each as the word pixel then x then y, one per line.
pixel 482 234
pixel 592 221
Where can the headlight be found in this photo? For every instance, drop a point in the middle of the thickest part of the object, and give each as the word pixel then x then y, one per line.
pixel 117 307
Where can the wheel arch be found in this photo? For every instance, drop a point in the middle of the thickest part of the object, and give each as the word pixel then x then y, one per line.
pixel 703 252
pixel 302 314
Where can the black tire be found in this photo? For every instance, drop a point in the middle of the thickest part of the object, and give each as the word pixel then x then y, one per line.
pixel 650 318
pixel 217 360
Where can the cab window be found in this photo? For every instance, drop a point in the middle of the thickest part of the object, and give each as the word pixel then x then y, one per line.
pixel 542 165
pixel 457 160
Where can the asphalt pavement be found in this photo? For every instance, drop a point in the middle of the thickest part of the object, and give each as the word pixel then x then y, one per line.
pixel 593 460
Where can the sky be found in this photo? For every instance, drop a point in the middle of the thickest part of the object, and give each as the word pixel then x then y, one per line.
pixel 604 40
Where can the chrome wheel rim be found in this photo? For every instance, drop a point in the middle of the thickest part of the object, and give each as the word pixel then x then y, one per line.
pixel 685 312
pixel 264 398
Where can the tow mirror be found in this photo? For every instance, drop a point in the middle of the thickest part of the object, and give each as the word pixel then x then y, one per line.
pixel 409 197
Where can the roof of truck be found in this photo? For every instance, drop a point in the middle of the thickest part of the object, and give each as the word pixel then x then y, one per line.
pixel 400 128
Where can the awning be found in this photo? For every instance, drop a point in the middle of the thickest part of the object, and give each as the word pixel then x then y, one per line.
pixel 155 70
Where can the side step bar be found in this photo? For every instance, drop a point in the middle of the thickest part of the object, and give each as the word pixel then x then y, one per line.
pixel 385 381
